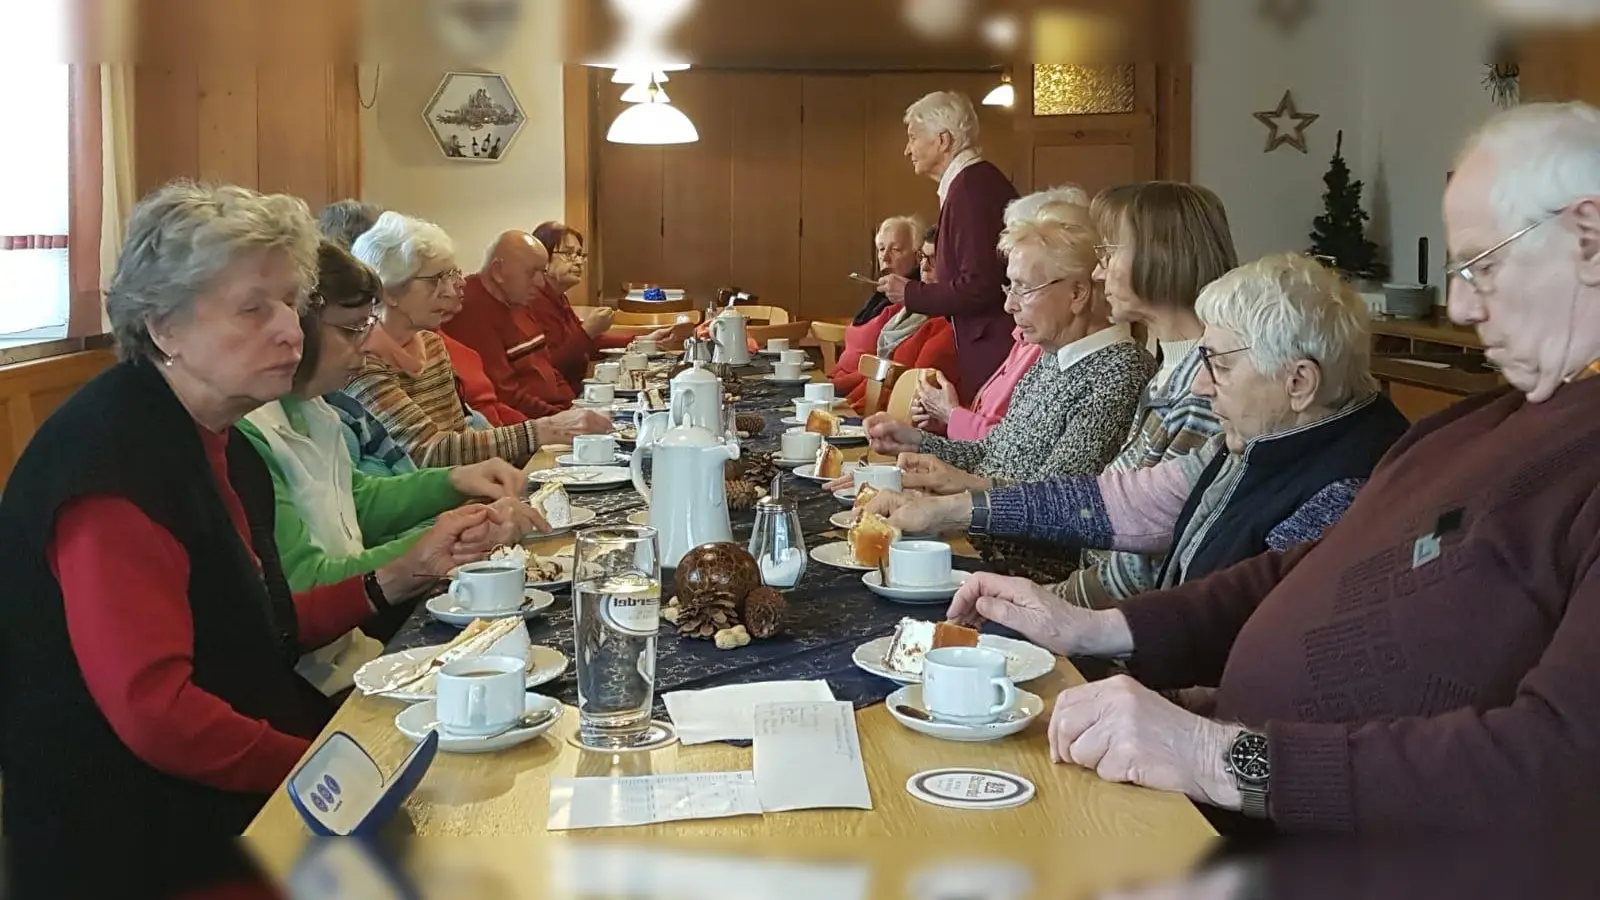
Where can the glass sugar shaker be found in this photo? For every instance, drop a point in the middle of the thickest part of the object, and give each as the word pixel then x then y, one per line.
pixel 776 542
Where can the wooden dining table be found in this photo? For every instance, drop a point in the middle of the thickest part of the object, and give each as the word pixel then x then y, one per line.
pixel 1109 832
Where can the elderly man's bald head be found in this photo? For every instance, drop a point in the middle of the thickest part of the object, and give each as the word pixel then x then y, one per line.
pixel 515 266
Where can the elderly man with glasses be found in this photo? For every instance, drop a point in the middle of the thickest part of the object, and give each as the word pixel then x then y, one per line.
pixel 1429 663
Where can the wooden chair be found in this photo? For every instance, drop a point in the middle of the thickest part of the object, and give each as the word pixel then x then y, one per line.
pixel 828 337
pixel 793 332
pixel 905 390
pixel 881 375
pixel 769 315
pixel 652 320
pixel 655 306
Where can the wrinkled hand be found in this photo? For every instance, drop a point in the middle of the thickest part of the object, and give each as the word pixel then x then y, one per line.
pixel 434 554
pixel 511 520
pixel 931 475
pixel 890 436
pixel 894 287
pixel 936 403
pixel 1128 733
pixel 563 426
pixel 916 514
pixel 597 322
pixel 659 335
pixel 491 479
pixel 1043 618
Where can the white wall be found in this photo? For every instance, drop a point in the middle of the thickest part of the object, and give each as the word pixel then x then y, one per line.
pixel 402 168
pixel 1401 79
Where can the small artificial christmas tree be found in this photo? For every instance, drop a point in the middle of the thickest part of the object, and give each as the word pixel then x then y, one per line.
pixel 1341 231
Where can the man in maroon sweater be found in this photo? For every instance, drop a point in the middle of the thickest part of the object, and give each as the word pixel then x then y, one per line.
pixel 969 285
pixel 1430 663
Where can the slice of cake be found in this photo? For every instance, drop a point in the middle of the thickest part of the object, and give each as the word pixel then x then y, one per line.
pixel 653 399
pixel 870 538
pixel 823 422
pixel 552 502
pixel 914 638
pixel 864 496
pixel 830 461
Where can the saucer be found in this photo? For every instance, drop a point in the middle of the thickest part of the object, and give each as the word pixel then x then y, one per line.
pixel 580 516
pixel 838 555
pixel 415 722
pixel 640 518
pixel 931 596
pixel 567 459
pixel 808 472
pixel 773 377
pixel 1024 661
pixel 848 434
pixel 544 664
pixel 782 463
pixel 444 608
pixel 1019 716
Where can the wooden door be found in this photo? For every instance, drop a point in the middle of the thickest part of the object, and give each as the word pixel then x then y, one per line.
pixel 628 205
pixel 764 233
pixel 835 236
pixel 695 187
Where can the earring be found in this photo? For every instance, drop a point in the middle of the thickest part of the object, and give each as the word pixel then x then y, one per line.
pixel 168 361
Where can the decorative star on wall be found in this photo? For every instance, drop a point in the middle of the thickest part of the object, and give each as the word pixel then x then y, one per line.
pixel 1286 14
pixel 1282 132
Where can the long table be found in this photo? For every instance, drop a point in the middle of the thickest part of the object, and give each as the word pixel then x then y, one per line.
pixel 506 793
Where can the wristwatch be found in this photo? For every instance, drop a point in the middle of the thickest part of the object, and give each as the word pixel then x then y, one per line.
pixel 980 513
pixel 375 594
pixel 1251 767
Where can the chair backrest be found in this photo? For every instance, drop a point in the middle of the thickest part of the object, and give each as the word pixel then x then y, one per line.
pixel 770 315
pixel 654 319
pixel 793 332
pixel 655 306
pixel 905 390
pixel 829 337
pixel 881 375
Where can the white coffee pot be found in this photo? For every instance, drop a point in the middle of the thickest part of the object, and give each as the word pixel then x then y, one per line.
pixel 697 393
pixel 728 332
pixel 688 503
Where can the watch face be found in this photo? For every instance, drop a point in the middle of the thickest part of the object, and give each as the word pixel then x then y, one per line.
pixel 1248 758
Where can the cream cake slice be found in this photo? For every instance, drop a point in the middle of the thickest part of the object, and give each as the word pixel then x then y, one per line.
pixel 913 638
pixel 552 502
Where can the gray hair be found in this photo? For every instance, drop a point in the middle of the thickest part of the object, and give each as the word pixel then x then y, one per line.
pixel 397 245
pixel 181 236
pixel 1024 207
pixel 346 220
pixel 909 225
pixel 1287 307
pixel 1546 158
pixel 948 112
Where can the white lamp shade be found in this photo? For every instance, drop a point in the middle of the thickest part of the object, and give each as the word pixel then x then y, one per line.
pixel 1004 94
pixel 652 123
pixel 638 76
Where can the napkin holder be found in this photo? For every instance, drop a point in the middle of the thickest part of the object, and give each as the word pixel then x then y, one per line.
pixel 339 790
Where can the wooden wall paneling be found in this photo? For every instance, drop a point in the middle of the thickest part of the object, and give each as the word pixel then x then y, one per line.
pixel 166 130
pixel 344 131
pixel 696 182
pixel 226 119
pixel 764 198
pixel 835 239
pixel 628 213
pixel 293 112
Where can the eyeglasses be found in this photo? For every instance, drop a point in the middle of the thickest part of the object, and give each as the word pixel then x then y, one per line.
pixel 452 275
pixel 1207 355
pixel 575 255
pixel 358 333
pixel 1102 252
pixel 1475 273
pixel 1024 293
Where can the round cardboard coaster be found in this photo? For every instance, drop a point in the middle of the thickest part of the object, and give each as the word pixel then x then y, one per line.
pixel 658 735
pixel 970 788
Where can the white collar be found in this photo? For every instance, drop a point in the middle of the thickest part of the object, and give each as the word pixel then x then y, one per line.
pixel 961 161
pixel 1082 348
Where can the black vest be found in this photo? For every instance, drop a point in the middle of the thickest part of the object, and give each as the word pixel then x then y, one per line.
pixel 125 434
pixel 1281 472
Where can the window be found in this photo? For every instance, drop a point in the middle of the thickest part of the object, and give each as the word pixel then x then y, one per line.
pixel 35 158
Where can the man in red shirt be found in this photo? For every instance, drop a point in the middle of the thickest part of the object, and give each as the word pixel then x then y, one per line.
pixel 497 319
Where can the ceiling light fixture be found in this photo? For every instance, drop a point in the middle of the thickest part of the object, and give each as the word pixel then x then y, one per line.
pixel 1004 94
pixel 653 121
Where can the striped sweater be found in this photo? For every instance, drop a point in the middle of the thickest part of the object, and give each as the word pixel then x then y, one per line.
pixel 424 414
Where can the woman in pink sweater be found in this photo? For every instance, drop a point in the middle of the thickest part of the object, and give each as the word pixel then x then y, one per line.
pixel 938 411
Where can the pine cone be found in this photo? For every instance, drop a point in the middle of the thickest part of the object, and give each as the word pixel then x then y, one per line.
pixel 750 423
pixel 763 612
pixel 759 469
pixel 742 495
pixel 711 613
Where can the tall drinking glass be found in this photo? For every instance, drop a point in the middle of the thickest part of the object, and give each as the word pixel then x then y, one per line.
pixel 616 605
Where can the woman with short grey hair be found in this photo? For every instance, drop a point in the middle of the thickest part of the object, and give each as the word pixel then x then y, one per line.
pixel 1285 366
pixel 345 220
pixel 149 634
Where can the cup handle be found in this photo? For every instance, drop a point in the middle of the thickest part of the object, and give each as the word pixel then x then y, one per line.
pixel 476 714
pixel 1008 695
pixel 460 594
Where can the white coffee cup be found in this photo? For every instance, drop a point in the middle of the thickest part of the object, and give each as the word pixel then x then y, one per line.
pixel 799 445
pixel 798 357
pixel 966 685
pixel 821 392
pixel 594 449
pixel 803 407
pixel 632 361
pixel 884 478
pixel 600 393
pixel 609 372
pixel 643 345
pixel 787 371
pixel 777 345
pixel 489 585
pixel 481 695
pixel 919 564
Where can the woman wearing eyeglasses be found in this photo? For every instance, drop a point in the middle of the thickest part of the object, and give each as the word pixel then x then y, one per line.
pixel 333 522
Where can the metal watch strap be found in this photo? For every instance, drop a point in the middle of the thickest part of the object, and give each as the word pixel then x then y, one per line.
pixel 1253 800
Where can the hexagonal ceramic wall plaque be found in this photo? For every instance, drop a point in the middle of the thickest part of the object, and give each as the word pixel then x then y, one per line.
pixel 474 117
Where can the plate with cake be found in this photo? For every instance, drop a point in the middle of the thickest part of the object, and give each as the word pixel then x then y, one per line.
pixel 543 572
pixel 408 675
pixel 828 465
pixel 833 429
pixel 552 502
pixel 898 657
pixel 865 547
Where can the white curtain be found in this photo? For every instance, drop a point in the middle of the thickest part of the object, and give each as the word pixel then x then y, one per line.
pixel 116 151
pixel 34 160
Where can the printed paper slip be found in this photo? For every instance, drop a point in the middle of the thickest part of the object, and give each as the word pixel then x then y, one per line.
pixel 808 756
pixel 728 713
pixel 643 799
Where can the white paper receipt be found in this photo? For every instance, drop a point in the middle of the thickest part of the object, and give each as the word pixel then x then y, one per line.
pixel 808 756
pixel 643 799
pixel 728 713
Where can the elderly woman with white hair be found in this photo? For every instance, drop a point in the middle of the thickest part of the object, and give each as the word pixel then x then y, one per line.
pixel 896 243
pixel 937 407
pixel 969 278
pixel 149 635
pixel 408 382
pixel 1286 352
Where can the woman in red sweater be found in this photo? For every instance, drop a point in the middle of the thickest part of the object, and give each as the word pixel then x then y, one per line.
pixel 148 632
pixel 912 340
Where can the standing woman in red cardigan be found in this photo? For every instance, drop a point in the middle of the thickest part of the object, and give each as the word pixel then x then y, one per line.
pixel 147 636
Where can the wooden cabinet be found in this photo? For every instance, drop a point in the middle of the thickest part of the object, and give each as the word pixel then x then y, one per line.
pixel 31 391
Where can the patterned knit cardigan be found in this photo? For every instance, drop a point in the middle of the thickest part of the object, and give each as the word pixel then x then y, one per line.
pixel 1059 423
